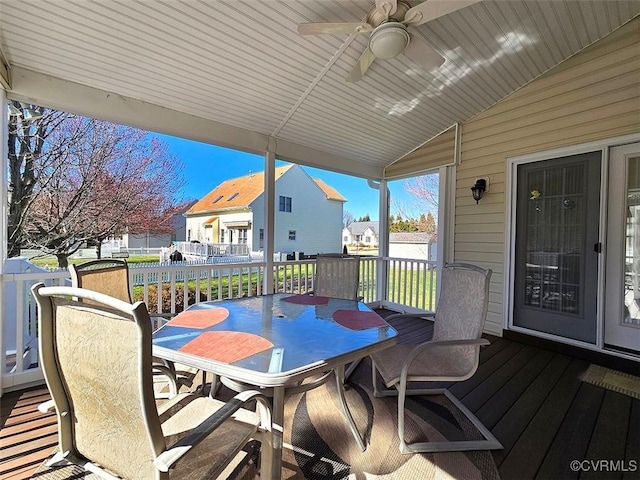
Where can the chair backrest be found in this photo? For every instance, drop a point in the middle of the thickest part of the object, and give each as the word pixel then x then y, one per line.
pixel 108 276
pixel 463 302
pixel 337 276
pixel 96 359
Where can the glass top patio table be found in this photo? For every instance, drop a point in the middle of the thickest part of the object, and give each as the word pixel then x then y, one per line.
pixel 276 341
pixel 270 340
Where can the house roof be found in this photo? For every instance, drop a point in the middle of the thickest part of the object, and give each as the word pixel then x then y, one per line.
pixel 411 237
pixel 358 228
pixel 240 192
pixel 332 193
pixel 239 75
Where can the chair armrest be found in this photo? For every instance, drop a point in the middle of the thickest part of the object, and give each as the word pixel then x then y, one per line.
pixel 448 343
pixel 47 407
pixel 433 344
pixel 411 315
pixel 169 457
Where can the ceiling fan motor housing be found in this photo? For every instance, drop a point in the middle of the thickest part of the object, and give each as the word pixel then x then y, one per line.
pixel 389 40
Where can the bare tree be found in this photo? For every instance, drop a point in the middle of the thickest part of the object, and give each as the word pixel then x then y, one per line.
pixel 347 218
pixel 96 179
pixel 28 128
pixel 425 191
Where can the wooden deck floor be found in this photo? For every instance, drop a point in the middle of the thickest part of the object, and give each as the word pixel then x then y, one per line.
pixel 531 398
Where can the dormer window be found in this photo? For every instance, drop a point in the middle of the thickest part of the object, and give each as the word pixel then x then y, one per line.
pixel 232 196
pixel 218 198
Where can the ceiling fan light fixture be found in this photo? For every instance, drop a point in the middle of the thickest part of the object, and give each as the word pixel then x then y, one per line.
pixel 389 40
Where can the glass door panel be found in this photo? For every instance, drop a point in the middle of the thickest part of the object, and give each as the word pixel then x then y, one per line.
pixel 557 215
pixel 622 307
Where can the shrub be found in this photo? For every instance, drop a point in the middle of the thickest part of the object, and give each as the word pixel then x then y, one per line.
pixel 152 304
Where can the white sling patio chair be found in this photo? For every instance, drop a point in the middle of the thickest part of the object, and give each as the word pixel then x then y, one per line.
pixel 96 358
pixel 451 355
pixel 337 276
pixel 111 277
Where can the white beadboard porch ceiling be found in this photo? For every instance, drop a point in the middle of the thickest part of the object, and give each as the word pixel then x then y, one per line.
pixel 241 68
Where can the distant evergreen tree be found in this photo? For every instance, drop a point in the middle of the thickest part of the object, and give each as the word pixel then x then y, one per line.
pixel 422 223
pixel 431 226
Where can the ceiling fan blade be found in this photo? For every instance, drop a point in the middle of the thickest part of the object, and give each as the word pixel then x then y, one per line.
pixel 337 28
pixel 364 62
pixel 431 9
pixel 423 54
pixel 386 7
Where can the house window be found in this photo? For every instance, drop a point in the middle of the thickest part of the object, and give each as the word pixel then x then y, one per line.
pixel 261 238
pixel 285 204
pixel 345 239
pixel 367 239
pixel 242 236
pixel 233 195
pixel 292 234
pixel 189 235
pixel 222 235
pixel 217 199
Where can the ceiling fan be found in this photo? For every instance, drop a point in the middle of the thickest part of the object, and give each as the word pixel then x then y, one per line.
pixel 390 23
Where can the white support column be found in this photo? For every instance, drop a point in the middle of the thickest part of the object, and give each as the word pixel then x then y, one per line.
pixel 446 220
pixel 4 201
pixel 446 215
pixel 383 243
pixel 269 215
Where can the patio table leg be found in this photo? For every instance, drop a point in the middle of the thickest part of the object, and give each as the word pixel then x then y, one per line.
pixel 278 425
pixel 339 373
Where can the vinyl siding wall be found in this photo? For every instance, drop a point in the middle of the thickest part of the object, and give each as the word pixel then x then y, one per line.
pixel 437 152
pixel 316 220
pixel 593 96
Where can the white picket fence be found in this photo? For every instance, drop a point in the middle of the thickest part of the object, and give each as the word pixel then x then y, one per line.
pixel 410 286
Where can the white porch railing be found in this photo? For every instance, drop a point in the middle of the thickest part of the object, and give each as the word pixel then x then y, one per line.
pixel 206 250
pixel 410 286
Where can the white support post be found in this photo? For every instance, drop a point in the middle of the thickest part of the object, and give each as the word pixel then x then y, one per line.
pixel 4 201
pixel 383 243
pixel 446 219
pixel 269 216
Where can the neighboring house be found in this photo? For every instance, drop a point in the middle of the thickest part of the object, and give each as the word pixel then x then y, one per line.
pixel 308 213
pixel 361 233
pixel 413 245
pixel 172 229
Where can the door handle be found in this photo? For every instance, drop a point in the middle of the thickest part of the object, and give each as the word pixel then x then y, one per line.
pixel 597 247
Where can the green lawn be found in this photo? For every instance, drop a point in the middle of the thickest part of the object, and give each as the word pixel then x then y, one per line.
pixel 53 261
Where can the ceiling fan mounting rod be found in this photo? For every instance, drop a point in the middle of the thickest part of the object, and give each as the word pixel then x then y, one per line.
pixel 376 17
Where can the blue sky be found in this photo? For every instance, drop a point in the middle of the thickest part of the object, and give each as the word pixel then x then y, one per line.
pixel 206 166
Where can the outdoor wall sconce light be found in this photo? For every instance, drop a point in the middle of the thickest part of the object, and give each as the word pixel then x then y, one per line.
pixel 479 188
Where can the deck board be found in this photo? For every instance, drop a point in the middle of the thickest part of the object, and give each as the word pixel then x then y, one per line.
pixel 529 451
pixel 609 439
pixel 532 399
pixel 572 439
pixel 486 369
pixel 633 443
pixel 515 421
pixel 484 391
pixel 497 406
